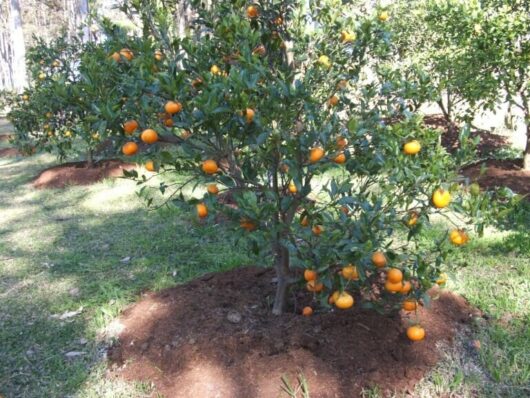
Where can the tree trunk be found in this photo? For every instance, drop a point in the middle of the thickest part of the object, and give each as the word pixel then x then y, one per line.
pixel 281 265
pixel 18 48
pixel 89 159
pixel 526 157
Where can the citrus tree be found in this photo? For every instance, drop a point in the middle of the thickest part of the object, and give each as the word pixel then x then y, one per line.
pixel 270 111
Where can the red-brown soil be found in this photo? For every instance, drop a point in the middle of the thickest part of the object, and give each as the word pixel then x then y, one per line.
pixel 9 152
pixel 77 173
pixel 501 173
pixel 488 141
pixel 216 337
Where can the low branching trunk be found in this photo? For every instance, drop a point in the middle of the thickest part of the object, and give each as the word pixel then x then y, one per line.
pixel 89 159
pixel 281 265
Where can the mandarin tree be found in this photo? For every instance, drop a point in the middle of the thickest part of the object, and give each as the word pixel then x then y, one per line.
pixel 313 163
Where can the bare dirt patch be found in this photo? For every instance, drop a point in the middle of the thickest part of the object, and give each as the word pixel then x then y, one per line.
pixel 9 152
pixel 501 173
pixel 77 173
pixel 216 337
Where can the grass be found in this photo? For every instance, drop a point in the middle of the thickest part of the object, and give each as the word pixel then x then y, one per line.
pixel 93 250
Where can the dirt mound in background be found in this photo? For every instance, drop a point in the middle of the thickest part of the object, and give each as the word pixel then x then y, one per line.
pixel 501 173
pixel 77 173
pixel 216 337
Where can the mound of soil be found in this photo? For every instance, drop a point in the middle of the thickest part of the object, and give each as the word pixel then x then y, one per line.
pixel 9 152
pixel 216 337
pixel 488 141
pixel 501 173
pixel 77 173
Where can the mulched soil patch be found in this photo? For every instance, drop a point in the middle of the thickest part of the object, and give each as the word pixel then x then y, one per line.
pixel 488 141
pixel 9 152
pixel 216 337
pixel 501 173
pixel 77 173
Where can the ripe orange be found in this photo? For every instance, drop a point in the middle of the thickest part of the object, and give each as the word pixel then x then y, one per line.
pixel 304 221
pixel 416 333
pixel 324 61
pixel 342 142
pixel 249 115
pixel 159 55
pixel 130 126
pixel 317 229
pixel 350 272
pixel 310 275
pixel 333 100
pixel 247 225
pixel 215 70
pixel 168 122
pixel 347 37
pixel 42 76
pixel 115 56
pixel 292 187
pixel 212 189
pixel 130 148
pixel 149 136
pixel 334 297
pixel 173 107
pixel 413 219
pixel 379 259
pixel 307 311
pixel 340 158
pixel 384 16
pixel 202 210
pixel 314 286
pixel 150 165
pixel 252 12
pixel 442 279
pixel 441 198
pixel 412 147
pixel 393 287
pixel 407 286
pixel 394 275
pixel 127 54
pixel 316 154
pixel 410 305
pixel 210 166
pixel 344 301
pixel 458 237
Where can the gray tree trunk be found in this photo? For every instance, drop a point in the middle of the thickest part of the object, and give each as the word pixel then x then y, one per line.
pixel 16 48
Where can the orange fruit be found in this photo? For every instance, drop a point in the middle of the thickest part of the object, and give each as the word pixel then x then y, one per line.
pixel 292 187
pixel 149 136
pixel 393 287
pixel 379 259
pixel 42 76
pixel 406 288
pixel 304 221
pixel 442 279
pixel 324 61
pixel 316 154
pixel 247 224
pixel 458 237
pixel 213 189
pixel 342 142
pixel 310 275
pixel 115 56
pixel 413 219
pixel 249 115
pixel 340 158
pixel 409 305
pixel 202 210
pixel 333 100
pixel 252 12
pixel 278 21
pixel 344 301
pixel 347 37
pixel 416 333
pixel 350 272
pixel 159 56
pixel 317 229
pixel 150 165
pixel 215 70
pixel 196 82
pixel 441 198
pixel 168 122
pixel 210 166
pixel 314 286
pixel 130 126
pixel 412 147
pixel 127 54
pixel 25 97
pixel 307 311
pixel 173 107
pixel 130 148
pixel 394 275
pixel 384 16
pixel 185 134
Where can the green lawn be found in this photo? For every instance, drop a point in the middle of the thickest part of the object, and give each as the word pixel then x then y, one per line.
pixel 92 250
